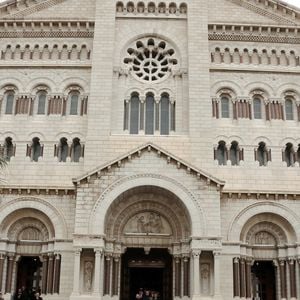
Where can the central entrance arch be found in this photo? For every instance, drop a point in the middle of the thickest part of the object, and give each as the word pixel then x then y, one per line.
pixel 145 229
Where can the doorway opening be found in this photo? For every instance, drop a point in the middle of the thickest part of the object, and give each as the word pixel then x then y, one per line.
pixel 29 273
pixel 264 280
pixel 148 271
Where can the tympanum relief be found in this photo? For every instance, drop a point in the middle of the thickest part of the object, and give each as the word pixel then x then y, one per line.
pixel 148 223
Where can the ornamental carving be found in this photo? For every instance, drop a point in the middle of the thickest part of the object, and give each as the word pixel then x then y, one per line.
pixel 264 238
pixel 147 223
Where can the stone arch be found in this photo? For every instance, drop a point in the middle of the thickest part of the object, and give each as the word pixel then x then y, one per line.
pixel 289 221
pixel 145 203
pixel 253 86
pixel 37 208
pixel 220 85
pixel 188 200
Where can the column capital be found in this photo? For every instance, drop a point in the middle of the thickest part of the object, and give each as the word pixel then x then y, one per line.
pixel 196 253
pixel 77 251
pixel 236 260
pixel 217 253
pixel 282 261
pixel 99 251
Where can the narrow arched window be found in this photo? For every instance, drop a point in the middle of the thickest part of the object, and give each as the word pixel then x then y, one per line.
pixel 9 103
pixel 262 154
pixel 289 155
pixel 257 108
pixel 74 101
pixel 77 150
pixel 225 107
pixel 9 149
pixel 222 153
pixel 289 110
pixel 134 114
pixel 63 150
pixel 234 153
pixel 41 98
pixel 165 114
pixel 36 149
pixel 149 122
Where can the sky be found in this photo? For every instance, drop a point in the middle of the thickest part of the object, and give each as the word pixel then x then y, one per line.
pixel 293 2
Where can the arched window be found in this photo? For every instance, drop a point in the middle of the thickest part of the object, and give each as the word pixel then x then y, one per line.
pixel 9 149
pixel 149 122
pixel 262 154
pixel 134 113
pixel 289 110
pixel 9 102
pixel 74 102
pixel 36 150
pixel 225 113
pixel 289 155
pixel 221 153
pixel 63 148
pixel 234 154
pixel 165 114
pixel 77 150
pixel 41 103
pixel 257 108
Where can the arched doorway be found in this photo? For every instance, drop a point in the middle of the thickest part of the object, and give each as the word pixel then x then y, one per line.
pixel 146 228
pixel 265 267
pixel 30 264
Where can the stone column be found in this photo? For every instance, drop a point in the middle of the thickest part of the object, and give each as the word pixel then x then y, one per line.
pixel 283 289
pixel 44 274
pixel 293 287
pixel 50 274
pixel 115 275
pixel 236 277
pixel 177 273
pixel 76 279
pixel 243 278
pixel 248 278
pixel 196 270
pixel 56 280
pixel 10 266
pixel 186 276
pixel 107 277
pixel 97 274
pixel 2 259
pixel 217 273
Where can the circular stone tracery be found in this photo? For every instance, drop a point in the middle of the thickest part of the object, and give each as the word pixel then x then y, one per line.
pixel 150 60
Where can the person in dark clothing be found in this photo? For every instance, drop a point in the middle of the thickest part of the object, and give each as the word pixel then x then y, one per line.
pixel 37 296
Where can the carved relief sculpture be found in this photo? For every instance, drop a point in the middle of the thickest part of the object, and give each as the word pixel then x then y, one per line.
pixel 88 275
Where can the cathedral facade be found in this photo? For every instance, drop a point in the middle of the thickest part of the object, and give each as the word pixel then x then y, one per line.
pixel 150 145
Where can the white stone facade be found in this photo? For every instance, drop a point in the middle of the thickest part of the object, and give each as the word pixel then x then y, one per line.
pixel 171 127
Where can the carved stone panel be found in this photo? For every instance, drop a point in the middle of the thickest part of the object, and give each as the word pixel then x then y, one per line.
pixel 205 278
pixel 88 276
pixel 148 223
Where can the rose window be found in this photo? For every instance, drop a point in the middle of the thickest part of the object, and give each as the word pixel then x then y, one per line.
pixel 150 60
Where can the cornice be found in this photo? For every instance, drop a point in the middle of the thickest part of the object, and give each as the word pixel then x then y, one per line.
pixel 260 195
pixel 36 190
pixel 254 33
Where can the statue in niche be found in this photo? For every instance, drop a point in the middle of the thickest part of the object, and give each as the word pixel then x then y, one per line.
pixel 264 238
pixel 88 275
pixel 205 279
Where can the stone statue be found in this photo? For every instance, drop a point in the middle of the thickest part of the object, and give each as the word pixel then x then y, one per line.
pixel 88 275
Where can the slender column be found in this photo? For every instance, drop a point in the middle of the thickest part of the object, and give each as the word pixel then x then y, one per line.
pixel 102 275
pixel 107 272
pixel 282 268
pixel 196 269
pixel 217 271
pixel 97 283
pixel 243 277
pixel 76 279
pixel 293 287
pixel 236 277
pixel 50 274
pixel 56 280
pixel 177 267
pixel 115 275
pixel 248 278
pixel 10 265
pixel 186 276
pixel 44 274
pixel 2 259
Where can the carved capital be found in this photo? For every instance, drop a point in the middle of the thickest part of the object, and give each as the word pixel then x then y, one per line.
pixel 196 253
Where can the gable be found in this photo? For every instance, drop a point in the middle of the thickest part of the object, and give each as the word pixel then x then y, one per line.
pixel 159 159
pixel 49 9
pixel 252 12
